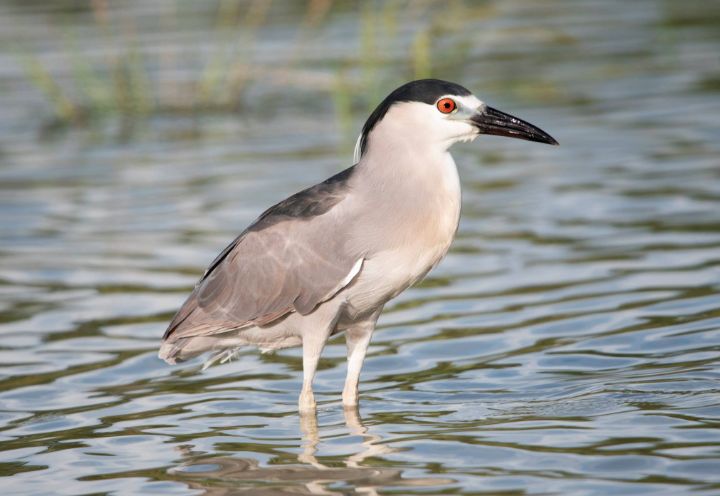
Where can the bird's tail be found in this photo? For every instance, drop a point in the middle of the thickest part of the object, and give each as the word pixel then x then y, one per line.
pixel 172 352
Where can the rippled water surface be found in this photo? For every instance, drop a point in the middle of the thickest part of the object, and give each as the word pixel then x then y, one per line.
pixel 568 344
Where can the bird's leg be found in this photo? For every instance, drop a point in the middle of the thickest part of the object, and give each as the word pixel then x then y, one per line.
pixel 357 345
pixel 357 339
pixel 313 344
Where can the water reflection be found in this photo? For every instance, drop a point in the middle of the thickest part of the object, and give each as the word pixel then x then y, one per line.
pixel 223 475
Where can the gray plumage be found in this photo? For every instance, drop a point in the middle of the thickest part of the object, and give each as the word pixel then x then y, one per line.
pixel 276 266
pixel 327 259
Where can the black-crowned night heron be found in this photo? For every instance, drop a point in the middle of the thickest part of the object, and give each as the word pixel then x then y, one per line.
pixel 327 259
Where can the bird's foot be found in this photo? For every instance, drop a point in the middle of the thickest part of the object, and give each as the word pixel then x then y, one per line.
pixel 350 398
pixel 306 403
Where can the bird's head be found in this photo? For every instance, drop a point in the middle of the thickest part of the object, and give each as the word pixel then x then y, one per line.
pixel 439 113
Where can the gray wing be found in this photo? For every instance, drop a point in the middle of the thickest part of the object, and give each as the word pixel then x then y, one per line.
pixel 290 260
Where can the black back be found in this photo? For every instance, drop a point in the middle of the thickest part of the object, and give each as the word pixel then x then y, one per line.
pixel 422 90
pixel 310 202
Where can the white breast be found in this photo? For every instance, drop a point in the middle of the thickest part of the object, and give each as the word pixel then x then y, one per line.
pixel 410 234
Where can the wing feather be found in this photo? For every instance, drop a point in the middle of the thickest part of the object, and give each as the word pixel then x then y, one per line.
pixel 293 258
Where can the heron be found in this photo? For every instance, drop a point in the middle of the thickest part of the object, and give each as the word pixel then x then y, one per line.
pixel 327 259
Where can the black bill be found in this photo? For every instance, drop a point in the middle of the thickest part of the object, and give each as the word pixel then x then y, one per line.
pixel 492 121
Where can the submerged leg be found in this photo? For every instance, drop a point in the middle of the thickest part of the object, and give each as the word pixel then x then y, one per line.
pixel 357 339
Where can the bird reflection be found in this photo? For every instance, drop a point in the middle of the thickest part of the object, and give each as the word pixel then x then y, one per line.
pixel 224 475
pixel 311 437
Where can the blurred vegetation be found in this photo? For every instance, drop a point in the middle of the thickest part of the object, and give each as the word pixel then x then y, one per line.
pixel 127 82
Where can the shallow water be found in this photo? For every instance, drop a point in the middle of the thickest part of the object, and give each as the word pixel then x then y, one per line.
pixel 568 344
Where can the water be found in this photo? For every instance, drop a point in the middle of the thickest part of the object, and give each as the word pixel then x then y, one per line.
pixel 567 345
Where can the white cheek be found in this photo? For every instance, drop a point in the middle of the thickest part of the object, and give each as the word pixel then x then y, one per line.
pixel 425 125
pixel 459 130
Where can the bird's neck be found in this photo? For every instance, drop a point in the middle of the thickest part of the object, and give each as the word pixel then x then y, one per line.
pixel 411 167
pixel 415 193
pixel 416 190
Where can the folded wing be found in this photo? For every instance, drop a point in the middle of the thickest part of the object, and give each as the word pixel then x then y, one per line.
pixel 291 259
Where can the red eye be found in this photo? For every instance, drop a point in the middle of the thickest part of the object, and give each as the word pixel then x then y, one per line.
pixel 446 105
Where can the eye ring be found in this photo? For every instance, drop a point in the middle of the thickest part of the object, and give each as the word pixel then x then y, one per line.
pixel 446 105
